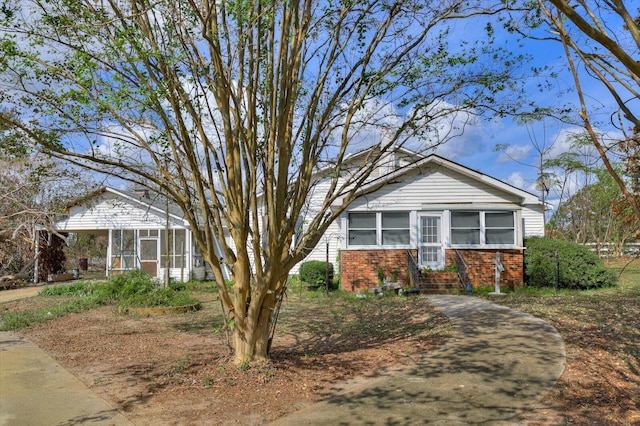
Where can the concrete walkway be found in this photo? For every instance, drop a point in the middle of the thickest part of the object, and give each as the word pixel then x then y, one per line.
pixel 498 363
pixel 35 390
pixel 19 293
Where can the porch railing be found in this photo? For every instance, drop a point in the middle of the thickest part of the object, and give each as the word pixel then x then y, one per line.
pixel 461 266
pixel 414 271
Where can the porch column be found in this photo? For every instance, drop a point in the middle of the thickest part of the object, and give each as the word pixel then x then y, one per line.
pixel 36 263
pixel 109 252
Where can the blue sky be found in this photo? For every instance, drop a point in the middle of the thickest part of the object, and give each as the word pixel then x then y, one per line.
pixel 476 148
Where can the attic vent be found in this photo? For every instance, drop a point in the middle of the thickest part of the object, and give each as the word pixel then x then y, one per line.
pixel 141 192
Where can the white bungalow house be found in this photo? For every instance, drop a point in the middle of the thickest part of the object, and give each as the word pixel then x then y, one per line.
pixel 429 212
pixel 425 212
pixel 137 227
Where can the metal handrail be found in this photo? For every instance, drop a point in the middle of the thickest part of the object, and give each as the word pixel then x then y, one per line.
pixel 414 271
pixel 461 266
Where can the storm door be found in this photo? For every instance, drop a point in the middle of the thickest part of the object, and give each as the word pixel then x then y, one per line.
pixel 149 258
pixel 431 251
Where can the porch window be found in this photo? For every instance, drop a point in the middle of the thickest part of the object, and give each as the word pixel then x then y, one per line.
pixel 482 228
pixel 177 248
pixel 499 227
pixel 362 229
pixel 379 229
pixel 395 228
pixel 465 228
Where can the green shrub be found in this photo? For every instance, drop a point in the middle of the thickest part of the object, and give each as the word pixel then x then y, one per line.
pixel 139 289
pixel 131 289
pixel 130 284
pixel 313 273
pixel 579 268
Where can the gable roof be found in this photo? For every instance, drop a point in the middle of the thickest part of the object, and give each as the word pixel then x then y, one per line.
pixel 144 201
pixel 357 158
pixel 402 172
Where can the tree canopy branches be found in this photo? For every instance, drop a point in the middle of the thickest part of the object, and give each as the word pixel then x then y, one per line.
pixel 233 109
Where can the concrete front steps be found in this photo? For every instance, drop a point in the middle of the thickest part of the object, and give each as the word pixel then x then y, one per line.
pixel 436 282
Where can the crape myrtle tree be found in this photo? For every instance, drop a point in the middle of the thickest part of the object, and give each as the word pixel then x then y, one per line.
pixel 231 108
pixel 600 41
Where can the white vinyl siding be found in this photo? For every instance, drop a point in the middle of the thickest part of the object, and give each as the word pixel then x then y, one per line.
pixel 532 221
pixel 112 212
pixel 434 186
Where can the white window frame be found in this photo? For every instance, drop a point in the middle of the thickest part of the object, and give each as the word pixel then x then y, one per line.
pixel 483 230
pixel 379 229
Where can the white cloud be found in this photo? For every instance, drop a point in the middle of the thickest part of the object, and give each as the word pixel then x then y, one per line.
pixel 514 153
pixel 518 180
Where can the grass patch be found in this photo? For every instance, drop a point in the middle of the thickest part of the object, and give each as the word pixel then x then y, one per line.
pixel 134 289
pixel 15 320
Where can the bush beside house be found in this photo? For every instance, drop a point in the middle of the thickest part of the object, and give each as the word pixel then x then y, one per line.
pixel 578 267
pixel 314 274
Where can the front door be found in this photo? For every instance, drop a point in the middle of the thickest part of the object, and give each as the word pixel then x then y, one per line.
pixel 431 251
pixel 149 256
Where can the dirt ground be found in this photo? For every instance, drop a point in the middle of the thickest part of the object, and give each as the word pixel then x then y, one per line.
pixel 173 370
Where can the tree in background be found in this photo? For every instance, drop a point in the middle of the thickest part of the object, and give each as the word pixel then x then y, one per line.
pixel 35 189
pixel 601 37
pixel 597 213
pixel 542 147
pixel 232 108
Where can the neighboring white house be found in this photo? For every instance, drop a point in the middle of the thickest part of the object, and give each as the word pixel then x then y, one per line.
pixel 435 211
pixel 137 227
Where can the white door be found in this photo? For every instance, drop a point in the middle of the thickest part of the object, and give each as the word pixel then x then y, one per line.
pixel 431 250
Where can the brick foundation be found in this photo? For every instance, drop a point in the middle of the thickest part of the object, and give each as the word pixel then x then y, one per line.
pixel 359 268
pixel 481 268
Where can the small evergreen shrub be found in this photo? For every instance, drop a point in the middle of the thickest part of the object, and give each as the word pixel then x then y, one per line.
pixel 579 268
pixel 313 273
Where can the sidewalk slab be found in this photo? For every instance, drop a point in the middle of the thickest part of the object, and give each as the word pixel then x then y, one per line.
pixel 19 293
pixel 35 390
pixel 498 363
